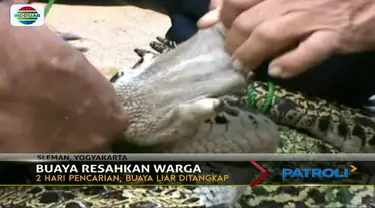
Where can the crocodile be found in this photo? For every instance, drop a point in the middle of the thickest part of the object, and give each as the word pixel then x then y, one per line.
pixel 335 128
pixel 172 119
pixel 347 129
pixel 139 83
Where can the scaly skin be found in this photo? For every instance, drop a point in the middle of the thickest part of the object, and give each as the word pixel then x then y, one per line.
pixel 292 141
pixel 173 109
pixel 349 130
pixel 232 131
pixel 182 197
pixel 168 99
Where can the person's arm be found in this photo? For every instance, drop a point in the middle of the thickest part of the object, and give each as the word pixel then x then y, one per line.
pixel 51 98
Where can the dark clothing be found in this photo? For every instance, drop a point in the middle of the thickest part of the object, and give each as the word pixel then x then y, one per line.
pixel 348 80
pixel 184 16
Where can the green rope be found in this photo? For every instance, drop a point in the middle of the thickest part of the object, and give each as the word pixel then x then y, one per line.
pixel 270 96
pixel 251 95
pixel 48 7
pixel 269 100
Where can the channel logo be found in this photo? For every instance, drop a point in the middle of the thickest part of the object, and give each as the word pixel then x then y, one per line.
pixel 26 15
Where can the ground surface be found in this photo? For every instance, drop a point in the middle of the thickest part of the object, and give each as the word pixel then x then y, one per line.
pixel 111 32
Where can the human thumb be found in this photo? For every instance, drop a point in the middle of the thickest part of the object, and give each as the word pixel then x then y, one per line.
pixel 209 19
pixel 212 17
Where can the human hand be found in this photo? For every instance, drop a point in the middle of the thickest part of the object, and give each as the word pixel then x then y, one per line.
pixel 51 98
pixel 298 34
pixel 213 16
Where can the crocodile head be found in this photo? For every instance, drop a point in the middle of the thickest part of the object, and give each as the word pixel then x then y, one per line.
pixel 168 97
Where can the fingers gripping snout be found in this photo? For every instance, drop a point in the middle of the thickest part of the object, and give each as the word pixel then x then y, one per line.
pixel 296 48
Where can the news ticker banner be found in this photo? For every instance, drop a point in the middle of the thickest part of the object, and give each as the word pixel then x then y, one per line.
pixel 184 157
pixel 139 169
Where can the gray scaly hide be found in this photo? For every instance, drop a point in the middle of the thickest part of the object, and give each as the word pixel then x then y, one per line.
pixel 169 98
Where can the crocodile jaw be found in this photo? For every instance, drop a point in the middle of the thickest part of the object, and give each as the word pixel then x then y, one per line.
pixel 170 97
